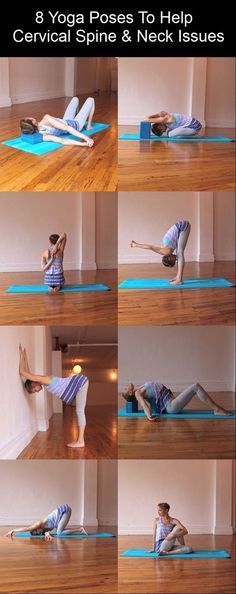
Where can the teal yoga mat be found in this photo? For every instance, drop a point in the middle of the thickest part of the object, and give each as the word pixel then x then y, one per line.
pixel 65 535
pixel 187 414
pixel 42 148
pixel 66 288
pixel 129 136
pixel 164 283
pixel 198 554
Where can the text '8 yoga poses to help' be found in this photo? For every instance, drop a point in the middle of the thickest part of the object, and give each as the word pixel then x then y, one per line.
pixel 54 523
pixel 52 263
pixel 166 531
pixel 174 125
pixel 73 121
pixel 175 239
pixel 67 389
pixel 156 399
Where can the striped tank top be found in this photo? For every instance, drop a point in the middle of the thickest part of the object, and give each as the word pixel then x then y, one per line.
pixel 158 396
pixel 55 516
pixel 43 128
pixel 54 275
pixel 184 121
pixel 172 235
pixel 67 388
pixel 162 531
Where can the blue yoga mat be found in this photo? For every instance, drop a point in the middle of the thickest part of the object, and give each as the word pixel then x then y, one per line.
pixel 188 414
pixel 42 148
pixel 199 554
pixel 164 283
pixel 129 136
pixel 75 535
pixel 66 288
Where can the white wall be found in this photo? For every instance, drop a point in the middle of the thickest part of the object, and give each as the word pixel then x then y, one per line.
pixel 224 225
pixel 43 485
pixel 5 99
pixel 34 79
pixel 146 216
pixel 178 356
pixel 93 74
pixel 28 219
pixel 106 229
pixel 199 493
pixel 220 92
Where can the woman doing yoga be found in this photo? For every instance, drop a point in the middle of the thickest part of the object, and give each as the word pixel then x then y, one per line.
pixel 54 523
pixel 174 124
pixel 155 399
pixel 53 129
pixel 175 239
pixel 166 531
pixel 52 263
pixel 67 389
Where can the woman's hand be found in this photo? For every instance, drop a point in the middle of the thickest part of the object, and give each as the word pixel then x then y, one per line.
pixel 90 142
pixel 152 551
pixel 48 536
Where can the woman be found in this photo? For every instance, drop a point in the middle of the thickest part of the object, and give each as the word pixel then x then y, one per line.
pixel 67 389
pixel 156 399
pixel 54 523
pixel 52 263
pixel 166 531
pixel 175 239
pixel 174 124
pixel 53 129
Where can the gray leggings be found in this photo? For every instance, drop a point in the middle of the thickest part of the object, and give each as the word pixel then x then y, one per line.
pixel 183 238
pixel 81 117
pixel 178 403
pixel 181 131
pixel 62 524
pixel 169 545
pixel 80 403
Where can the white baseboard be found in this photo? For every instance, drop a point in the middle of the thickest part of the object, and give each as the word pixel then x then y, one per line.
pixel 205 257
pixel 225 257
pixel 12 449
pixel 42 425
pixel 88 266
pixel 147 259
pixel 220 124
pixel 29 97
pixel 209 385
pixel 223 529
pixel 27 520
pixel 107 265
pixel 147 529
pixel 5 101
pixel 23 267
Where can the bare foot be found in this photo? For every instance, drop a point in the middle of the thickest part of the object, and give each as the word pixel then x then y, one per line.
pixel 76 444
pixel 176 281
pixel 221 411
pixel 89 127
pixel 133 243
pixel 153 418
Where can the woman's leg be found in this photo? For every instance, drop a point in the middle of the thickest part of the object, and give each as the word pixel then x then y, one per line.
pixel 178 403
pixel 182 241
pixel 86 113
pixel 63 521
pixel 81 399
pixel 168 546
pixel 182 132
pixel 71 109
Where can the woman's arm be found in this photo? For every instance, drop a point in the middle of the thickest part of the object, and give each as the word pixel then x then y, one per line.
pixel 139 394
pixel 39 524
pixel 181 532
pixel 154 535
pixel 162 250
pixel 61 242
pixel 42 379
pixel 67 141
pixel 45 263
pixel 51 121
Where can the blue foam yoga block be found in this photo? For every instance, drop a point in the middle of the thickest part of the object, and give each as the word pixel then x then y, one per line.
pixel 65 535
pixel 198 554
pixel 164 283
pixel 66 288
pixel 131 407
pixel 185 414
pixel 32 138
pixel 145 130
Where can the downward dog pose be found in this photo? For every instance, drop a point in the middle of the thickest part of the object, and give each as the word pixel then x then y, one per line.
pixel 54 523
pixel 52 263
pixel 155 399
pixel 53 129
pixel 174 124
pixel 175 239
pixel 67 389
pixel 166 531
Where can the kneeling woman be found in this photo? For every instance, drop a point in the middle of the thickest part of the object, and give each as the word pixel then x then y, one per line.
pixel 174 125
pixel 156 399
pixel 53 129
pixel 52 263
pixel 166 531
pixel 67 389
pixel 54 523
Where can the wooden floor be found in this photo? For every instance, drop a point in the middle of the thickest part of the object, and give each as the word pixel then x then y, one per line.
pixel 176 165
pixel 100 437
pixel 67 169
pixel 179 438
pixel 192 307
pixel 177 576
pixel 69 309
pixel 33 566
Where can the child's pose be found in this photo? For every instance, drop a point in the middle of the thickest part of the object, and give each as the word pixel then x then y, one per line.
pixel 54 523
pixel 174 124
pixel 175 239
pixel 52 263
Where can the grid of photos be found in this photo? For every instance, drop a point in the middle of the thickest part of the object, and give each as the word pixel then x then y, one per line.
pixel 117 325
